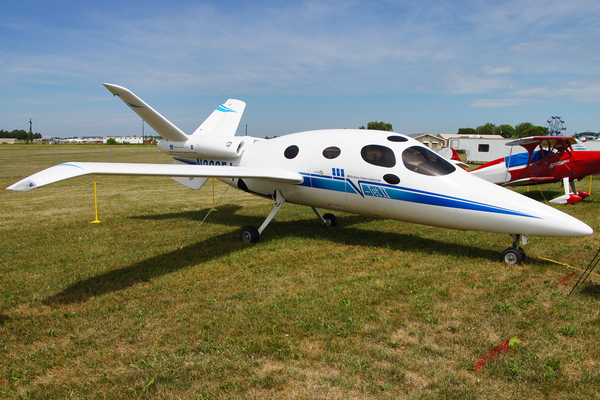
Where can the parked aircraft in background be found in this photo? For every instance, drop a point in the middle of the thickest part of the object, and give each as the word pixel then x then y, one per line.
pixel 548 159
pixel 375 173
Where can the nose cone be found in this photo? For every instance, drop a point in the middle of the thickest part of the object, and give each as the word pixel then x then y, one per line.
pixel 506 211
pixel 535 218
pixel 559 224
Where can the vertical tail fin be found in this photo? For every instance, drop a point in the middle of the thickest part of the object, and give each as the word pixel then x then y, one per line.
pixel 224 120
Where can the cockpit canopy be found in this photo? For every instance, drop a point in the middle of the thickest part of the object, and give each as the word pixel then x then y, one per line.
pixel 424 161
pixel 418 159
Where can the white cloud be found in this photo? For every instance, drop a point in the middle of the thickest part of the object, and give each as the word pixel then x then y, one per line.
pixel 509 52
pixel 458 82
pixel 499 70
pixel 581 91
pixel 531 47
pixel 496 103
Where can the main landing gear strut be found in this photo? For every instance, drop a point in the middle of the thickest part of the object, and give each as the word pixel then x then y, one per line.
pixel 515 254
pixel 327 220
pixel 252 235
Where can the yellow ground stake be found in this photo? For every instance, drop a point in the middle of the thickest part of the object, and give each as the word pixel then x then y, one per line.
pixel 213 185
pixel 96 221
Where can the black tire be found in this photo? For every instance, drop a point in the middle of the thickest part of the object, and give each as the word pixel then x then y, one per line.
pixel 522 254
pixel 332 220
pixel 250 234
pixel 512 256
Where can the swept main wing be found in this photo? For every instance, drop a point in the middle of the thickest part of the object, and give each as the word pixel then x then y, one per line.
pixel 74 169
pixel 160 124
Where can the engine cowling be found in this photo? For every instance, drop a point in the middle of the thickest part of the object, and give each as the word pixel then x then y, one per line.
pixel 205 146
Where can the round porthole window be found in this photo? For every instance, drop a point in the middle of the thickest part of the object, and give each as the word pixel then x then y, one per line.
pixel 391 179
pixel 380 156
pixel 332 152
pixel 291 152
pixel 397 138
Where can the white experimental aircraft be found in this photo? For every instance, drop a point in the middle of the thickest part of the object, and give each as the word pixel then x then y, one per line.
pixel 375 173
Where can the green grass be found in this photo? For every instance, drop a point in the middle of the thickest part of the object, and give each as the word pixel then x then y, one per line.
pixel 371 309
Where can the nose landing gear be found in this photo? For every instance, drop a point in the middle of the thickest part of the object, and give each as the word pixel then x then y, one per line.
pixel 514 255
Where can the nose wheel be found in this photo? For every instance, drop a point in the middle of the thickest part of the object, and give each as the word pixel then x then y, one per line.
pixel 512 256
pixel 327 220
pixel 515 255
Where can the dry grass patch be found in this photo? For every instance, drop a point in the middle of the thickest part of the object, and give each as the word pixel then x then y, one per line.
pixel 371 309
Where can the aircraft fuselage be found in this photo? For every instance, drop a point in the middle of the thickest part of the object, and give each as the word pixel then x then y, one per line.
pixel 389 175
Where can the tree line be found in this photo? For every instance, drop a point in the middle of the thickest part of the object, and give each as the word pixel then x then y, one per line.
pixel 524 129
pixel 508 131
pixel 19 134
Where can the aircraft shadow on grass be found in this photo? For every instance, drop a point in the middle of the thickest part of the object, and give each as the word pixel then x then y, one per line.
pixel 215 247
pixel 225 211
pixel 591 290
pixel 542 196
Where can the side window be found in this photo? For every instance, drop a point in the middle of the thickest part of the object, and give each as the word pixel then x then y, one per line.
pixel 391 179
pixel 425 162
pixel 397 138
pixel 332 152
pixel 483 148
pixel 378 155
pixel 291 152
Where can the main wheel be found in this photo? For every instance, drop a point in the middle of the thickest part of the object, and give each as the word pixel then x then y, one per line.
pixel 330 220
pixel 250 234
pixel 523 255
pixel 512 256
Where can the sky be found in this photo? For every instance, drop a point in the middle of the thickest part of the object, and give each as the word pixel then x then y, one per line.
pixel 424 66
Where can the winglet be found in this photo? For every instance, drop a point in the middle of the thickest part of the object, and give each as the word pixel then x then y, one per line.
pixel 160 124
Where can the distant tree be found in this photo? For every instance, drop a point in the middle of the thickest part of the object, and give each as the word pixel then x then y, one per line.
pixel 528 129
pixel 111 141
pixel 507 131
pixel 487 129
pixel 522 129
pixel 538 131
pixel 467 131
pixel 20 134
pixel 378 126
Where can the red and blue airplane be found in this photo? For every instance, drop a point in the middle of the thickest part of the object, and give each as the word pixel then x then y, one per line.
pixel 548 159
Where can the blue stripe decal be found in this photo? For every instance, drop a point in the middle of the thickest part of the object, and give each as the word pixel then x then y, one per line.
pixel 329 184
pixel 225 108
pixel 72 165
pixel 434 199
pixel 373 189
pixel 132 105
pixel 306 181
pixel 187 161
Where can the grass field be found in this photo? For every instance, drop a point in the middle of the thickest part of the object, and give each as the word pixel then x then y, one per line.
pixel 371 309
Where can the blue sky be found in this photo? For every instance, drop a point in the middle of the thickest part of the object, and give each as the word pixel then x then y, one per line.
pixel 427 66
